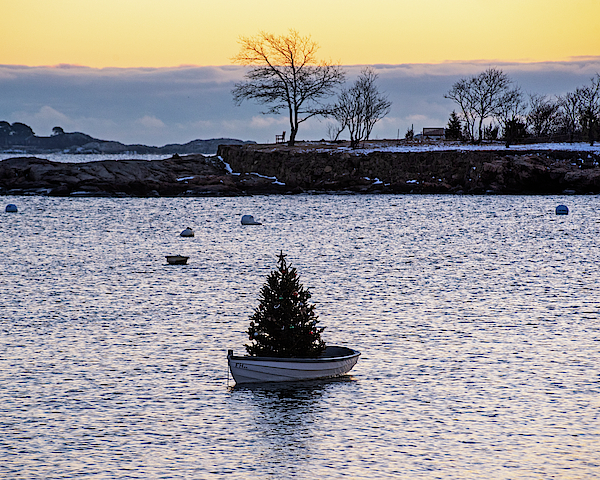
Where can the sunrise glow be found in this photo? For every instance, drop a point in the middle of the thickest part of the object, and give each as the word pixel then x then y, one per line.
pixel 153 33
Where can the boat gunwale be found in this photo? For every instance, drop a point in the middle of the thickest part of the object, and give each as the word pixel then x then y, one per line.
pixel 249 358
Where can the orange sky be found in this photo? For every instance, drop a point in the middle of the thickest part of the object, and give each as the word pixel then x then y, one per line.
pixel 156 33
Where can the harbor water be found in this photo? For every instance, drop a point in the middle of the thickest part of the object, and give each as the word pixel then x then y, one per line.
pixel 477 319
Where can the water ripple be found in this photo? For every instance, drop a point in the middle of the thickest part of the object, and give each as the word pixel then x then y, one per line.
pixel 477 319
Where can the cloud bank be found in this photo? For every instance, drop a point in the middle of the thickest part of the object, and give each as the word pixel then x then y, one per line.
pixel 156 106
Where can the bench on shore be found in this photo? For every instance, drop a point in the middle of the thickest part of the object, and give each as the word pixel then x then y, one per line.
pixel 280 138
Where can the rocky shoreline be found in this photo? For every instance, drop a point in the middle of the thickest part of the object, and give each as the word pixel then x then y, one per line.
pixel 375 170
pixel 312 168
pixel 191 175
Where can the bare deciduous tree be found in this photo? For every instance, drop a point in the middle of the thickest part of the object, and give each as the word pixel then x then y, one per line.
pixel 333 131
pixel 543 115
pixel 580 111
pixel 569 113
pixel 479 97
pixel 360 107
pixel 286 75
pixel 461 94
pixel 511 113
pixel 589 108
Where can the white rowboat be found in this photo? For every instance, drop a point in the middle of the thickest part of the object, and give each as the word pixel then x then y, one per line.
pixel 333 362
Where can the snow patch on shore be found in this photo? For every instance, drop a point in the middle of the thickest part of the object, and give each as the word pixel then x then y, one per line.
pixel 227 166
pixel 275 181
pixel 231 172
pixel 441 147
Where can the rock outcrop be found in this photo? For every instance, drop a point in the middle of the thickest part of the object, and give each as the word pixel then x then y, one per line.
pixel 452 171
pixel 264 169
pixel 192 175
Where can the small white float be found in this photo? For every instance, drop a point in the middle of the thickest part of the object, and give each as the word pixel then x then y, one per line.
pixel 562 210
pixel 11 208
pixel 249 220
pixel 333 362
pixel 176 259
pixel 188 232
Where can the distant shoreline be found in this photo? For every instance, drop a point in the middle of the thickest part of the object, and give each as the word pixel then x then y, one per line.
pixel 20 139
pixel 317 167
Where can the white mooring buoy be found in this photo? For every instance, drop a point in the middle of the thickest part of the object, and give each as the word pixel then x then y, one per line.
pixel 249 220
pixel 188 232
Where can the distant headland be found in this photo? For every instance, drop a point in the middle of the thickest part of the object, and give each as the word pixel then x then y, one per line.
pixel 20 138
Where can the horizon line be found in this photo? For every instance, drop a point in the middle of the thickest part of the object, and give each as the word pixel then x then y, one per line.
pixel 571 59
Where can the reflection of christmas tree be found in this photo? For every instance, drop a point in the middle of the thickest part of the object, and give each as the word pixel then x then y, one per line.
pixel 284 324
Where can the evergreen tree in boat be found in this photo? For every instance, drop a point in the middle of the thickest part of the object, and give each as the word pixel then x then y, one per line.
pixel 284 324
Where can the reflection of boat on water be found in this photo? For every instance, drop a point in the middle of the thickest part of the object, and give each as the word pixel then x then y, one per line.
pixel 297 390
pixel 333 362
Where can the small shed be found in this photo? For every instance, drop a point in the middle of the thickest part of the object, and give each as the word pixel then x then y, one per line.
pixel 434 133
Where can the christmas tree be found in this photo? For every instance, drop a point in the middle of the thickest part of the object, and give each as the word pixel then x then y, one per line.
pixel 284 324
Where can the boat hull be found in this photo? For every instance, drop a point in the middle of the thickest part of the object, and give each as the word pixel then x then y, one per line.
pixel 335 361
pixel 176 259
